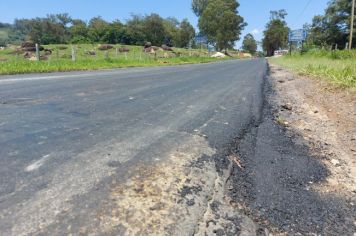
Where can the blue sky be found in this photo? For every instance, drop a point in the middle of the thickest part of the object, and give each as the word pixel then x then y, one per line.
pixel 255 12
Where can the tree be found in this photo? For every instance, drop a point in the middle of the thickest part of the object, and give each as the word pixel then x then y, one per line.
pixel 20 30
pixel 221 23
pixel 249 44
pixel 278 15
pixel 171 28
pixel 64 19
pixel 332 27
pixel 186 33
pixel 154 29
pixel 61 28
pixel 135 30
pixel 79 32
pixel 97 29
pixel 276 33
pixel 47 30
pixel 116 33
pixel 198 6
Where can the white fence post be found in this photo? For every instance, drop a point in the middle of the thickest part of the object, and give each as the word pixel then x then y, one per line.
pixel 73 54
pixel 37 52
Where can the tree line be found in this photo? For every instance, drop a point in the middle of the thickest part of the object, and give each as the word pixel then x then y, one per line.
pixel 329 30
pixel 219 22
pixel 63 29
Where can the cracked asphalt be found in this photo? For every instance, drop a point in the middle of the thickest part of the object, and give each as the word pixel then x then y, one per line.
pixel 72 144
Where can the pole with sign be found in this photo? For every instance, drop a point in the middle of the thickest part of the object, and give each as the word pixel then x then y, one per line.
pixel 297 36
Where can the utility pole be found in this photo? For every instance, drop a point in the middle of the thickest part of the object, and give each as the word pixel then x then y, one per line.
pixel 352 23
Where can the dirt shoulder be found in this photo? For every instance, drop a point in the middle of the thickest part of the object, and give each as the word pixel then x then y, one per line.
pixel 296 166
pixel 325 118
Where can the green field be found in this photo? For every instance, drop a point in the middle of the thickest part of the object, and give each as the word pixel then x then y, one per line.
pixel 336 67
pixel 13 62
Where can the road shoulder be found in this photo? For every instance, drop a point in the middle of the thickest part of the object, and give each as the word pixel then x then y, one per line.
pixel 325 117
pixel 295 171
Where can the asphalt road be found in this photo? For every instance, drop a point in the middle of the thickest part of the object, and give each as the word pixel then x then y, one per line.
pixel 65 138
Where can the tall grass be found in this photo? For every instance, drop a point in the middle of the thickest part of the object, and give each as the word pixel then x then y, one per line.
pixel 336 67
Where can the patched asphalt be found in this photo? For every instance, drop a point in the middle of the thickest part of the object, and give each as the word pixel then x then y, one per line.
pixel 65 137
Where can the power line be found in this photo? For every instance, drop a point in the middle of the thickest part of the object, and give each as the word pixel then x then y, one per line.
pixel 302 12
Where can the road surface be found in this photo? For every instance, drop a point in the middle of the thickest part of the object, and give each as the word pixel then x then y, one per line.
pixel 126 151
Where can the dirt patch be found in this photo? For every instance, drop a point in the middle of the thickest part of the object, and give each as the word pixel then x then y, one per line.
pixel 168 198
pixel 325 117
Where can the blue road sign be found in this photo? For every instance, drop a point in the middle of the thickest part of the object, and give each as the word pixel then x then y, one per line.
pixel 201 39
pixel 297 35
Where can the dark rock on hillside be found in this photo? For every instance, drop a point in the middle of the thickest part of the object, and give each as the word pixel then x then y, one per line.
pixel 148 45
pixel 123 49
pixel 105 47
pixel 166 48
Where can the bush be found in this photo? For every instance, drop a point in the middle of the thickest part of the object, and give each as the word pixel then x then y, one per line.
pixel 3 42
pixel 79 39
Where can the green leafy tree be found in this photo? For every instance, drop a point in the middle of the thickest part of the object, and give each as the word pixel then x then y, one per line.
pixel 221 23
pixel 198 6
pixel 276 33
pixel 64 19
pixel 332 27
pixel 57 24
pixel 154 29
pixel 135 30
pixel 186 33
pixel 171 28
pixel 61 28
pixel 249 44
pixel 50 29
pixel 115 33
pixel 97 29
pixel 79 32
pixel 20 30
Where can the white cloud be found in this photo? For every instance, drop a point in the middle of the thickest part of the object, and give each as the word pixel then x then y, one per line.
pixel 255 32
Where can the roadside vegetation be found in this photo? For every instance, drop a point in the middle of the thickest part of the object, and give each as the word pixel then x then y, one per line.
pixel 68 43
pixel 336 67
pixel 88 57
pixel 324 53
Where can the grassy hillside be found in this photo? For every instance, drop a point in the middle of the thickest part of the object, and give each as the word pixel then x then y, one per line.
pixel 336 67
pixel 88 57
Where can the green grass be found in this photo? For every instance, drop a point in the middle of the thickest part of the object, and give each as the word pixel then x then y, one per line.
pixel 60 60
pixel 336 67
